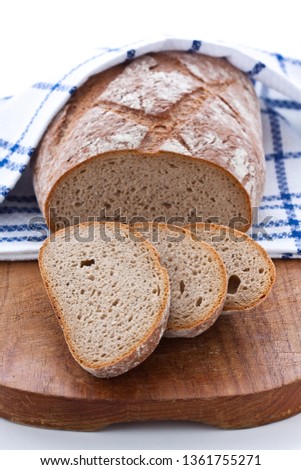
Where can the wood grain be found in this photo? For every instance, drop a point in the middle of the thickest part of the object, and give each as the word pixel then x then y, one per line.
pixel 244 371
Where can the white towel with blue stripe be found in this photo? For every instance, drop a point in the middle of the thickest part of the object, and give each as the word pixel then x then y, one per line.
pixel 277 80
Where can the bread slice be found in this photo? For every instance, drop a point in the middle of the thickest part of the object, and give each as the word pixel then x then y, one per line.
pixel 197 275
pixel 251 272
pixel 110 294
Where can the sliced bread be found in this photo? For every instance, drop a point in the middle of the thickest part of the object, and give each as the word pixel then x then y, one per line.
pixel 197 275
pixel 251 272
pixel 110 294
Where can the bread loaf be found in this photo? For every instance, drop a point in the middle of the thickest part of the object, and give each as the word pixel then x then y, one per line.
pixel 197 275
pixel 170 134
pixel 110 294
pixel 251 272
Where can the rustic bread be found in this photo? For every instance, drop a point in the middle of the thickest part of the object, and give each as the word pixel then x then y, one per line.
pixel 171 134
pixel 109 292
pixel 197 275
pixel 251 272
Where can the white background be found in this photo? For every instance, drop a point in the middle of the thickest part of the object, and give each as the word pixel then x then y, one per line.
pixel 36 36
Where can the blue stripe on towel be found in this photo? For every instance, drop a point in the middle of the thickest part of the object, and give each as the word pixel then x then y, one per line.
pixel 282 179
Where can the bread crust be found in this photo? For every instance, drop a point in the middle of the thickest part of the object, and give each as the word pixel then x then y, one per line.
pixel 141 350
pixel 188 104
pixel 237 233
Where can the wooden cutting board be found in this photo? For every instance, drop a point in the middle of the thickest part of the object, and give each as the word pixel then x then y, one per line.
pixel 244 371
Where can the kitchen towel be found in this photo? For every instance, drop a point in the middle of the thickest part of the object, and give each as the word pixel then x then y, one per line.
pixel 277 80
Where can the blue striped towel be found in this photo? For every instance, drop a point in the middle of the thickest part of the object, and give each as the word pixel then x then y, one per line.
pixel 277 80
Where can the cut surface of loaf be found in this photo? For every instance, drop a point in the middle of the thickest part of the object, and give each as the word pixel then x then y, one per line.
pixel 110 293
pixel 251 272
pixel 126 185
pixel 167 134
pixel 197 276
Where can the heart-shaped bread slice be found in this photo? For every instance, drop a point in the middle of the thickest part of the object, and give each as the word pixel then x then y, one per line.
pixel 110 294
pixel 251 272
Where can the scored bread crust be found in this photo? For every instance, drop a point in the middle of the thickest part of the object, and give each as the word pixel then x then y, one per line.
pixel 269 263
pixel 140 351
pixel 187 104
pixel 196 327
